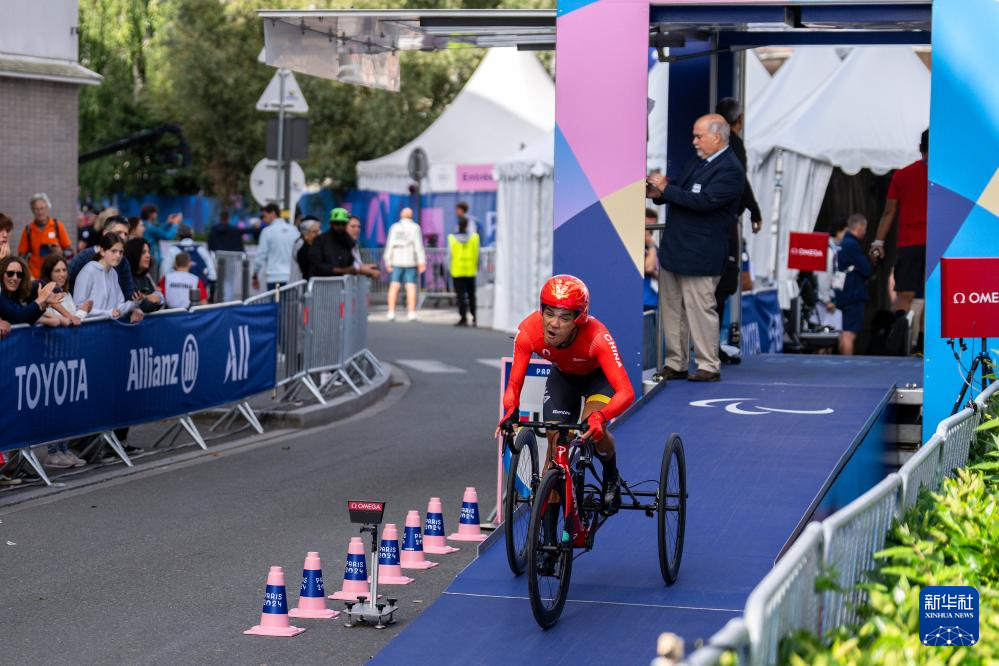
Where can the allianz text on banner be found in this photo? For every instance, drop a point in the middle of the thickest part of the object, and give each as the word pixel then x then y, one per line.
pixel 72 382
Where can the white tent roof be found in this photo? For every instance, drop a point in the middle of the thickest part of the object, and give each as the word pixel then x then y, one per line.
pixel 868 115
pixel 797 79
pixel 508 102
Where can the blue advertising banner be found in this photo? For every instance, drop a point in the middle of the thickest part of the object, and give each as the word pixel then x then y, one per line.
pixel 762 324
pixel 69 382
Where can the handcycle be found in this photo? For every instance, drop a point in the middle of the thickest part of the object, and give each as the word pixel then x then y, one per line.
pixel 567 509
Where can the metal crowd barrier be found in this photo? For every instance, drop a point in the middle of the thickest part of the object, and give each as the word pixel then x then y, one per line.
pixel 844 545
pixel 233 282
pixel 437 282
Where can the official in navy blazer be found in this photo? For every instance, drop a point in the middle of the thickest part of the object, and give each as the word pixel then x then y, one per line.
pixel 703 206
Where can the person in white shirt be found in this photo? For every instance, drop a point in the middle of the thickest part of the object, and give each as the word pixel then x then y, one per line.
pixel 178 284
pixel 65 313
pixel 274 251
pixel 406 260
pixel 98 283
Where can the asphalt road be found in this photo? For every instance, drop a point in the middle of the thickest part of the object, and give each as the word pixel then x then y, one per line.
pixel 169 567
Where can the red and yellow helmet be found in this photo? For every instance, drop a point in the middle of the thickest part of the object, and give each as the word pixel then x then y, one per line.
pixel 567 292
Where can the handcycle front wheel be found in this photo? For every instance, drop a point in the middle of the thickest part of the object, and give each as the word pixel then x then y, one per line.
pixel 549 562
pixel 521 485
pixel 672 508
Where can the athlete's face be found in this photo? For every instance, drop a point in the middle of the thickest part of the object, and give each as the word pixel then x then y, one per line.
pixel 559 325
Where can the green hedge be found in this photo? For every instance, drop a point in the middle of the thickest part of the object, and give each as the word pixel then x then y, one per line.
pixel 950 537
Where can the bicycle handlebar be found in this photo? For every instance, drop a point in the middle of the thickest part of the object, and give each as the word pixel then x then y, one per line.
pixel 548 425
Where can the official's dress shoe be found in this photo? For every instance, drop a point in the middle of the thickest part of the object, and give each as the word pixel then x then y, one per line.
pixel 670 374
pixel 705 376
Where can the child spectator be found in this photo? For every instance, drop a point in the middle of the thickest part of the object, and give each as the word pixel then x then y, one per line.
pixel 98 282
pixel 66 313
pixel 178 283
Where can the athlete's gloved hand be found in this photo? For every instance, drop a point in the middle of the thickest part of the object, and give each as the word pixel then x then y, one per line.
pixel 508 419
pixel 596 421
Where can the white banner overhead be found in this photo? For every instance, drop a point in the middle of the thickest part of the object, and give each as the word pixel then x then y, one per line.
pixel 294 100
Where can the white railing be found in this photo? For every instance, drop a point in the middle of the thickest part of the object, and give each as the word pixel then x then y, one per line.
pixel 841 546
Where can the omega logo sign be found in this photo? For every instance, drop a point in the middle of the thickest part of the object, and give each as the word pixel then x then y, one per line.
pixel 991 297
pixel 806 252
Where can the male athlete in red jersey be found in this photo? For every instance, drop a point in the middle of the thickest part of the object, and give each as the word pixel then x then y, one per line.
pixel 585 365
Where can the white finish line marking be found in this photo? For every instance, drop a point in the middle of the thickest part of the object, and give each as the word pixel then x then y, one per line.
pixel 430 366
pixel 491 362
pixel 594 601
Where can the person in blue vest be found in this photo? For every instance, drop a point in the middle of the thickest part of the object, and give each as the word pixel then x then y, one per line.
pixel 856 268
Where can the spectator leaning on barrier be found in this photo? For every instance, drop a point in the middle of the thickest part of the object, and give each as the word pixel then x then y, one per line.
pixel 43 236
pixel 224 237
pixel 66 313
pixel 98 282
pixel 117 226
pixel 310 229
pixel 354 230
pixel 273 257
pixel 16 304
pixel 704 203
pixel 851 297
pixel 463 249
pixel 140 259
pixel 406 260
pixel 202 265
pixel 178 284
pixel 6 226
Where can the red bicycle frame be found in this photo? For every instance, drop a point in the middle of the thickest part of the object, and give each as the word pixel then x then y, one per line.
pixel 580 531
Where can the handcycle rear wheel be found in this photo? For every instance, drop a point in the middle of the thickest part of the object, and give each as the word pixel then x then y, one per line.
pixel 549 562
pixel 672 508
pixel 521 485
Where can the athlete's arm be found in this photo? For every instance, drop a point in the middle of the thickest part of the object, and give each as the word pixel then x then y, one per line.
pixel 522 351
pixel 610 363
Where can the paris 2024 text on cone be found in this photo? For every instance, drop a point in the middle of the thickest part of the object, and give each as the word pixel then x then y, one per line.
pixel 468 525
pixel 412 545
pixel 355 573
pixel 389 570
pixel 433 530
pixel 312 596
pixel 274 616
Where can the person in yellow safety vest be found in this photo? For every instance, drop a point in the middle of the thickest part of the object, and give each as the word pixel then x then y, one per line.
pixel 463 247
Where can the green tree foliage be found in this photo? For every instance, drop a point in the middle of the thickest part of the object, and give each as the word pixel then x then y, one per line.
pixel 194 63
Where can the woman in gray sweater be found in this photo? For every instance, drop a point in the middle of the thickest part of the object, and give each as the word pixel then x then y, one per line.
pixel 98 282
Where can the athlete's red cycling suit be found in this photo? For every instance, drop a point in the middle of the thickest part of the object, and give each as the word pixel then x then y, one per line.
pixel 589 367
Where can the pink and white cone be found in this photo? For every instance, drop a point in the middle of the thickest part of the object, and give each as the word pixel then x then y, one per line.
pixel 312 596
pixel 411 556
pixel 274 617
pixel 468 526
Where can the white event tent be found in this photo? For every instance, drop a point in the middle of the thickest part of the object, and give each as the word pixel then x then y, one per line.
pixel 508 103
pixel 868 114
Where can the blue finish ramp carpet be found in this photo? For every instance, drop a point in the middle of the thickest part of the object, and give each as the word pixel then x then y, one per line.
pixel 760 446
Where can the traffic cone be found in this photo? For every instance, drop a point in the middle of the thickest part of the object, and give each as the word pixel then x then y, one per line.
pixel 389 570
pixel 355 573
pixel 433 530
pixel 274 616
pixel 312 596
pixel 468 525
pixel 412 545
